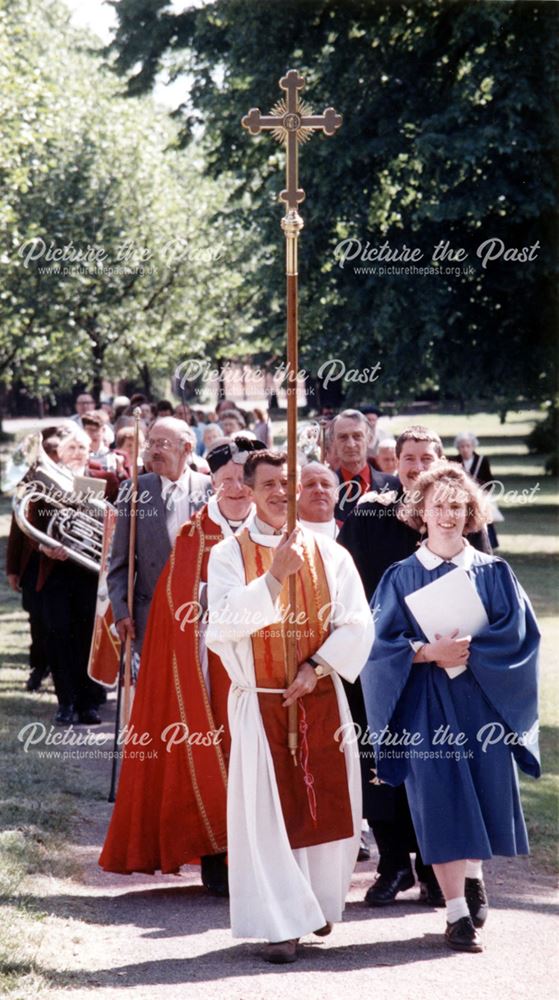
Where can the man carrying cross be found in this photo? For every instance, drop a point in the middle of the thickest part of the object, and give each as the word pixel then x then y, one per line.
pixel 293 823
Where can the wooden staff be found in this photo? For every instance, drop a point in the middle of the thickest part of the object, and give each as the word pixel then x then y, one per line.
pixel 292 122
pixel 292 225
pixel 131 566
pixel 322 425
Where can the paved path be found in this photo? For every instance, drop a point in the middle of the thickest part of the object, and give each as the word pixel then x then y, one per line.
pixel 163 938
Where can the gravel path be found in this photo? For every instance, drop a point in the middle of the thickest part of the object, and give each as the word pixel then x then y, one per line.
pixel 163 938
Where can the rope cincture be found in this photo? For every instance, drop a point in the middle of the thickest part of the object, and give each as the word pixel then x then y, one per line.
pixel 308 777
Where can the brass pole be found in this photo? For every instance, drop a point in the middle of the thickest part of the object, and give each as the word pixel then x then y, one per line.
pixel 292 225
pixel 292 122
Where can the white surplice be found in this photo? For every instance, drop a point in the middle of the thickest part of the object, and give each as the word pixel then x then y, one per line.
pixel 276 892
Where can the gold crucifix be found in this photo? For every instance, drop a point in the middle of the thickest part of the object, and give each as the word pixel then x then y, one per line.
pixel 292 122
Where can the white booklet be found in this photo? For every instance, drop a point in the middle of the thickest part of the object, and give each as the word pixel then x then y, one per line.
pixel 449 603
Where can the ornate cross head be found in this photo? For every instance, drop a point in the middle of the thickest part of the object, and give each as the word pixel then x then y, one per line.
pixel 292 122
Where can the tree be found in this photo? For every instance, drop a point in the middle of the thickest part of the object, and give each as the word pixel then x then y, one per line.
pixel 448 140
pixel 114 264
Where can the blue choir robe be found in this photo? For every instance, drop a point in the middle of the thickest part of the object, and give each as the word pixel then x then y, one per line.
pixel 454 742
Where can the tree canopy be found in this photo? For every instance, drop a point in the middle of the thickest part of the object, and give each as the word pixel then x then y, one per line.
pixel 448 141
pixel 113 263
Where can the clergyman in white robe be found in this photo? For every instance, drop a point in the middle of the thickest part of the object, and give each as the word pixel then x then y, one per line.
pixel 276 892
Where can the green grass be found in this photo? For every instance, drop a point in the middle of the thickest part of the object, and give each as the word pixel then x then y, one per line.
pixel 40 797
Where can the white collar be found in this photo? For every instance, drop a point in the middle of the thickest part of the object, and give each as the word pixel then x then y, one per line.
pixel 263 528
pixel 263 534
pixel 328 528
pixel 430 560
pixel 183 483
pixel 215 514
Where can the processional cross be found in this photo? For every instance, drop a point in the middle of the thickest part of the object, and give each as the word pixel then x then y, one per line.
pixel 292 123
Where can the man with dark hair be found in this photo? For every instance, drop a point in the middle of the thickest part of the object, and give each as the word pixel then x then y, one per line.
pixel 293 832
pixel 376 538
pixel 164 408
pixel 350 434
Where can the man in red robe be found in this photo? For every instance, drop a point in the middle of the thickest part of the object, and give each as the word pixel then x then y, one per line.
pixel 171 803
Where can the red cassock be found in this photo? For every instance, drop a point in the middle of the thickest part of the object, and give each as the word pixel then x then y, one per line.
pixel 171 802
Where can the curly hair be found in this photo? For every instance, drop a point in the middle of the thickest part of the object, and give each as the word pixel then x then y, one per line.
pixel 452 479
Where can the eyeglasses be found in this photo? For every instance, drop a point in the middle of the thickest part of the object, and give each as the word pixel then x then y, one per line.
pixel 162 444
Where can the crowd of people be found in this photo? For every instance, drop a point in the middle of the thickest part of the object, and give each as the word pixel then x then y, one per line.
pixel 211 618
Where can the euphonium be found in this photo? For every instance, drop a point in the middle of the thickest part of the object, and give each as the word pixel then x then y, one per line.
pixel 75 520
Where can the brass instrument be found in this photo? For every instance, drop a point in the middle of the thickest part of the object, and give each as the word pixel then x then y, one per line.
pixel 75 518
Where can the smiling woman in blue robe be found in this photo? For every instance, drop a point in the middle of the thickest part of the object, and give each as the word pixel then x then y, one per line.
pixel 455 738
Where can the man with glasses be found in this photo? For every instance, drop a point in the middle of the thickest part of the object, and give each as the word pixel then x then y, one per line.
pixel 168 495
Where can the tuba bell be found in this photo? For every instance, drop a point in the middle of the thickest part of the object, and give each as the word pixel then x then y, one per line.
pixel 75 518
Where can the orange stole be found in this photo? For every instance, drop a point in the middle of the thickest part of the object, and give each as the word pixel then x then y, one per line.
pixel 319 718
pixel 171 809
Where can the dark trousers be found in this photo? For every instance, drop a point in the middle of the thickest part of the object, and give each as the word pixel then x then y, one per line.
pixel 69 597
pixel 396 840
pixel 385 808
pixel 32 602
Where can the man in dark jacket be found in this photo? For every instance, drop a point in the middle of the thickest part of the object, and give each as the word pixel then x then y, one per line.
pixel 350 433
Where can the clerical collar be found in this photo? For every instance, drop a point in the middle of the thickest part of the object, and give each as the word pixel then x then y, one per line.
pixel 430 560
pixel 266 529
pixel 328 528
pixel 218 517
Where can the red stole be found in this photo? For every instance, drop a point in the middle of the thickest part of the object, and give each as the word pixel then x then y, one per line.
pixel 171 808
pixel 314 795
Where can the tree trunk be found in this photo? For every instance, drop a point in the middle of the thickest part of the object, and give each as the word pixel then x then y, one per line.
pixel 146 379
pixel 220 380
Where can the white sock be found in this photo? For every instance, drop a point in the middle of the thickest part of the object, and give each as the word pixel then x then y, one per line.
pixel 474 869
pixel 456 908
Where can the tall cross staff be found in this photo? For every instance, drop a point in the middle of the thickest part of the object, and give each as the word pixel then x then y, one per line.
pixel 292 122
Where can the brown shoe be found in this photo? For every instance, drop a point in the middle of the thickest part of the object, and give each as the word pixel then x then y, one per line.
pixel 324 931
pixel 281 952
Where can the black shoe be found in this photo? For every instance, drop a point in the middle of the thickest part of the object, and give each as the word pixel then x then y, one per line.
pixel 462 936
pixel 36 677
pixel 476 898
pixel 364 850
pixel 385 888
pixel 215 875
pixel 89 717
pixel 64 716
pixel 431 894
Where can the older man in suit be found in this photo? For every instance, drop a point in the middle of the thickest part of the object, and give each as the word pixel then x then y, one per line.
pixel 350 434
pixel 168 496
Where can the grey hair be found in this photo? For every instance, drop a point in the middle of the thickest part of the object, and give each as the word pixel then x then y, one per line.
pixel 66 432
pixel 188 435
pixel 349 415
pixel 466 436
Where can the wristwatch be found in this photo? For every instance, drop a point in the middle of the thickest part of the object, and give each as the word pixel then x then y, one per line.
pixel 317 667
